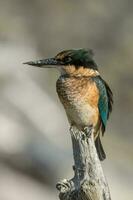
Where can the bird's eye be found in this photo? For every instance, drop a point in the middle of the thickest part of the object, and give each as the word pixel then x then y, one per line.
pixel 67 59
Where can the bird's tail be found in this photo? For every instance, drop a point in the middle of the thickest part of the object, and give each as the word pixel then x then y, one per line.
pixel 99 148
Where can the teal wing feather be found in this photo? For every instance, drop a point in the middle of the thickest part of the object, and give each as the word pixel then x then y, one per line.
pixel 105 101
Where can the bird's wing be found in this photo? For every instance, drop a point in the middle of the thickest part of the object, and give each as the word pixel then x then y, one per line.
pixel 105 100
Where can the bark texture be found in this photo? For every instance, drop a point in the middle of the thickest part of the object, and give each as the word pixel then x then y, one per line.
pixel 89 182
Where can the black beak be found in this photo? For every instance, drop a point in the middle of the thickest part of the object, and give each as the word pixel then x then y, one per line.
pixel 42 63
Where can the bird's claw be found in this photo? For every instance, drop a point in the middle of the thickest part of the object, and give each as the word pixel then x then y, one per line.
pixel 88 131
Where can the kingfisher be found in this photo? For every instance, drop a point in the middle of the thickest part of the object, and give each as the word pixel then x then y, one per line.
pixel 86 97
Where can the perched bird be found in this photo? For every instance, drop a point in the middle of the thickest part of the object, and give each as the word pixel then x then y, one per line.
pixel 86 97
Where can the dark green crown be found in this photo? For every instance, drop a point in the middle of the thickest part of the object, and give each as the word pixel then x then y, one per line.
pixel 77 57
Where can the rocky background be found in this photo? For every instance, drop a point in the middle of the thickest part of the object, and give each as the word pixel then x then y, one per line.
pixel 35 146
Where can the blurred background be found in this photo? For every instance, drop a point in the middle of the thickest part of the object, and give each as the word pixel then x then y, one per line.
pixel 35 145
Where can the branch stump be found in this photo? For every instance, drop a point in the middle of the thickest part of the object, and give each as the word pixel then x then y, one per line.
pixel 89 182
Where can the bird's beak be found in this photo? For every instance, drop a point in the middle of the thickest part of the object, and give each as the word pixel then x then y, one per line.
pixel 46 63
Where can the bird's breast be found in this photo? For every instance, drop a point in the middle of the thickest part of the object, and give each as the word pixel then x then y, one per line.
pixel 70 90
pixel 79 95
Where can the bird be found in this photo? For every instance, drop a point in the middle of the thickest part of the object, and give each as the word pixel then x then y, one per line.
pixel 85 95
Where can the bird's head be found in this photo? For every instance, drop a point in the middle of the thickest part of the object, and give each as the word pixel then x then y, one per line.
pixel 69 61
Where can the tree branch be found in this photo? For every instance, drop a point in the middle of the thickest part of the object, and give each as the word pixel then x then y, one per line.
pixel 89 182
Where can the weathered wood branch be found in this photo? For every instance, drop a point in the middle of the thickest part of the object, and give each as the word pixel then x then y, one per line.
pixel 89 182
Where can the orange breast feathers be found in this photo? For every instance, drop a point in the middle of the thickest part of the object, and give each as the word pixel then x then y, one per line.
pixel 91 97
pixel 80 96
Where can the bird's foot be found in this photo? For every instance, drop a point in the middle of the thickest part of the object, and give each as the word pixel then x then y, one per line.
pixel 88 130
